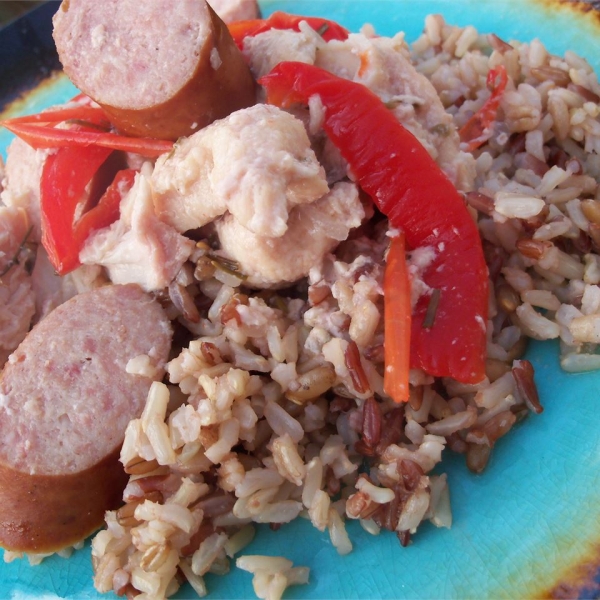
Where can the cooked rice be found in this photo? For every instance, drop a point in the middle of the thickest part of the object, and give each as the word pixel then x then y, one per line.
pixel 277 401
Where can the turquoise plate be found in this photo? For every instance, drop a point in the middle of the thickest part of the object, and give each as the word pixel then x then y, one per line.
pixel 529 527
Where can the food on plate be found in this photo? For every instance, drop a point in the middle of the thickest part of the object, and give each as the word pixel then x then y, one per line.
pixel 68 392
pixel 159 69
pixel 352 264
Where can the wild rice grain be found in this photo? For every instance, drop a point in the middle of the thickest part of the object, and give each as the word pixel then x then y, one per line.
pixel 523 374
pixel 478 456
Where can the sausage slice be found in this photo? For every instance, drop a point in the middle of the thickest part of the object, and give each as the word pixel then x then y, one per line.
pixel 159 69
pixel 65 401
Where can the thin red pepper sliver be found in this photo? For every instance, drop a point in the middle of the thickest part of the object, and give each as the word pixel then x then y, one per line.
pixel 407 185
pixel 91 114
pixel 280 20
pixel 478 129
pixel 45 136
pixel 397 318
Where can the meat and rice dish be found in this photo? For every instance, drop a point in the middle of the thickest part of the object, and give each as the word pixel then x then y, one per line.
pixel 273 269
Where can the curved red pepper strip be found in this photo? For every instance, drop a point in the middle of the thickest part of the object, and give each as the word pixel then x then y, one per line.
pixel 45 136
pixel 478 129
pixel 329 30
pixel 392 167
pixel 65 176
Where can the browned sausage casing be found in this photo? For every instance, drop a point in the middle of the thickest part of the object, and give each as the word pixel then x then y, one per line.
pixel 66 399
pixel 160 69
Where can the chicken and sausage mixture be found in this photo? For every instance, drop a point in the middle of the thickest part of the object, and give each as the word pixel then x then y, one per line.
pixel 296 308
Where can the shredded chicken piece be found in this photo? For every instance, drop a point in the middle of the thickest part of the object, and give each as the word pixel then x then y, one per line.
pixel 269 48
pixel 255 164
pixel 275 262
pixel 138 248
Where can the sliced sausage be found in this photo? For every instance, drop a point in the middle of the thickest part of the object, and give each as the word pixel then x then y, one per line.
pixel 159 69
pixel 65 401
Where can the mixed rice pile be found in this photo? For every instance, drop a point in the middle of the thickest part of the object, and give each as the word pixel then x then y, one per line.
pixel 274 407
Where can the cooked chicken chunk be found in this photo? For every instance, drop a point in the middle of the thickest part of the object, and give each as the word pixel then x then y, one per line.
pixel 256 164
pixel 138 248
pixel 269 48
pixel 313 231
pixel 17 303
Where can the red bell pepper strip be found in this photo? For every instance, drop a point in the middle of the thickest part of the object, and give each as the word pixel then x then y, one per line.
pixel 406 184
pixel 397 317
pixel 329 30
pixel 65 176
pixel 479 128
pixel 44 136
pixel 91 114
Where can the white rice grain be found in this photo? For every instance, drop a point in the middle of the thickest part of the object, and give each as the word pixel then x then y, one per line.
pixel 453 423
pixel 207 552
pixel 413 511
pixel 239 540
pixel 194 580
pixel 228 437
pixel 517 206
pixel 258 479
pixel 381 495
pixel 313 481
pixel 288 461
pixel 279 512
pixel 282 423
pixel 173 514
pixel 318 511
pixel 541 299
pixel 586 329
pixel 579 363
pixel 270 564
pixel 590 301
pixel 488 397
pixel 338 534
pixel 552 179
pixel 539 326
